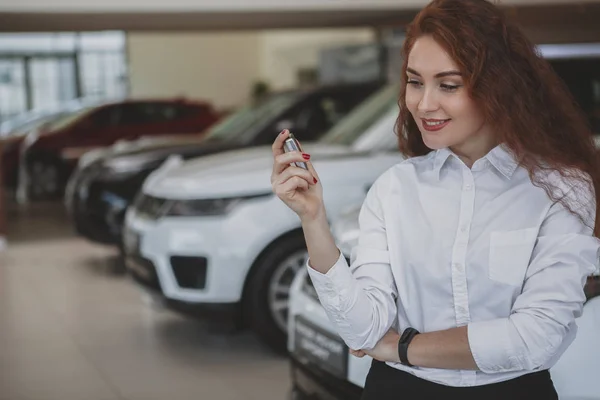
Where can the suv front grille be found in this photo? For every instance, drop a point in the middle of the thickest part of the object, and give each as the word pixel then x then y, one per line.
pixel 190 272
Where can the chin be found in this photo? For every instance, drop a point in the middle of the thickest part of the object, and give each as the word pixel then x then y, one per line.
pixel 434 143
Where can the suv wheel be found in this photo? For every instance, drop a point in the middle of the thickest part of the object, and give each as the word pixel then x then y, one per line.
pixel 269 290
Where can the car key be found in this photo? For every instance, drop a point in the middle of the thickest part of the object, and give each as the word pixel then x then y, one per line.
pixel 291 144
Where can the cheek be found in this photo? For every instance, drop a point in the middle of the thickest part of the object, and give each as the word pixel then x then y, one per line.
pixel 412 101
pixel 461 106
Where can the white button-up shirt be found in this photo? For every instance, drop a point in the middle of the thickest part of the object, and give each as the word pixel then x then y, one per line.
pixel 442 245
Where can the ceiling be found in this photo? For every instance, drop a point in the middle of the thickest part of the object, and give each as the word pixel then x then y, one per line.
pixel 574 22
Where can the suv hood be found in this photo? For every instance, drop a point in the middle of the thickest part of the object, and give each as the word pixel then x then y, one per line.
pixel 242 172
pixel 142 160
pixel 153 147
pixel 145 143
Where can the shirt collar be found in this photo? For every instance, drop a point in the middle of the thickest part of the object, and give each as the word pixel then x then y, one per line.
pixel 501 157
pixel 440 158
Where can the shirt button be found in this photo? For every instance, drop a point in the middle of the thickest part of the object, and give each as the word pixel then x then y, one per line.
pixel 463 228
pixel 468 187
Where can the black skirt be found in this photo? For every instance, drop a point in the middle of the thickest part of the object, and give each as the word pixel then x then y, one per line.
pixel 387 383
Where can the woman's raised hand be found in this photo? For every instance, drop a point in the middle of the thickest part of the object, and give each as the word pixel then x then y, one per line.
pixel 298 188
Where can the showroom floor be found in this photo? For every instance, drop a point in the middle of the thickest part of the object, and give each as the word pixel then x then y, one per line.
pixel 72 327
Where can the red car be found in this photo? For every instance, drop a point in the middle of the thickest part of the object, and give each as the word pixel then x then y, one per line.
pixel 49 154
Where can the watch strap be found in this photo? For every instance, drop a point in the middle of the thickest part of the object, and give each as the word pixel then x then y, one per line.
pixel 405 339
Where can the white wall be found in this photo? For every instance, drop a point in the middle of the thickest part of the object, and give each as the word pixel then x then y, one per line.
pixel 219 67
pixel 284 51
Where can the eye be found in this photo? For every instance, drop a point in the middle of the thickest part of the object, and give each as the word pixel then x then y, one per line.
pixel 413 82
pixel 449 88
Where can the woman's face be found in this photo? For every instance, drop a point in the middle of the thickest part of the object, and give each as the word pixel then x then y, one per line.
pixel 440 104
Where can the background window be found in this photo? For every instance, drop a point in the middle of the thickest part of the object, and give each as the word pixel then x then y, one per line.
pixel 44 71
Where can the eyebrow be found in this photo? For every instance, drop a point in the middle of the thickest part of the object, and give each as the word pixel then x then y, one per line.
pixel 438 75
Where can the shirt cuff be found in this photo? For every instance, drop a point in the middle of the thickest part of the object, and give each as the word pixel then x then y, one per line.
pixel 329 285
pixel 489 343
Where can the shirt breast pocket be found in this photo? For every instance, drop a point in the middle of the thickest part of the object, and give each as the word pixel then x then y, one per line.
pixel 510 252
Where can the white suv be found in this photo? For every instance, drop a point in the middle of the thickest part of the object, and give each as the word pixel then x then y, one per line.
pixel 209 234
pixel 322 368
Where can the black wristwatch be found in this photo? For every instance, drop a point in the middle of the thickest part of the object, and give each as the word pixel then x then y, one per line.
pixel 407 336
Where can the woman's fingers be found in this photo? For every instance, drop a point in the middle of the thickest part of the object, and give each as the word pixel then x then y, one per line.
pixel 295 171
pixel 313 171
pixel 283 161
pixel 357 353
pixel 288 179
pixel 278 143
pixel 288 189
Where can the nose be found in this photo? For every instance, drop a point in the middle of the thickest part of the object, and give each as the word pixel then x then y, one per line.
pixel 428 102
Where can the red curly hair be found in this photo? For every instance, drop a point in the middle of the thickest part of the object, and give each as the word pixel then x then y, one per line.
pixel 532 110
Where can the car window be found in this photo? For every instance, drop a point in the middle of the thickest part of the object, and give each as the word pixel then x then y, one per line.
pixel 105 117
pixel 129 114
pixel 320 114
pixel 154 112
pixel 359 120
pixel 251 116
pixel 189 110
pixel 135 113
pixel 162 112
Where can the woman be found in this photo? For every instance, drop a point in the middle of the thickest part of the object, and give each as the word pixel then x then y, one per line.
pixel 473 252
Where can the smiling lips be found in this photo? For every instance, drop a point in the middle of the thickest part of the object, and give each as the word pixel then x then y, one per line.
pixel 434 124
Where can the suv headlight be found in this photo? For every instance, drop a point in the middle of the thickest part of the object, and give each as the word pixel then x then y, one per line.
pixel 207 207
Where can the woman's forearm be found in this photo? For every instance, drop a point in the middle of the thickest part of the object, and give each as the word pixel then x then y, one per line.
pixel 322 249
pixel 448 349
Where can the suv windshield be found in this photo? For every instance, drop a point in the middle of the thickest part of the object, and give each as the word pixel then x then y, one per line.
pixel 350 128
pixel 252 115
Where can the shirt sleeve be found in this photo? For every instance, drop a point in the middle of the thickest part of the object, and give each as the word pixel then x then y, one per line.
pixel 361 300
pixel 543 315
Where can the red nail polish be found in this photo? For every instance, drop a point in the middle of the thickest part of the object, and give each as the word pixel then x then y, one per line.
pixel 315 179
pixel 306 156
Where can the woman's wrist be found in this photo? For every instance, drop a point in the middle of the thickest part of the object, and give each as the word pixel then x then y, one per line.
pixel 317 218
pixel 322 249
